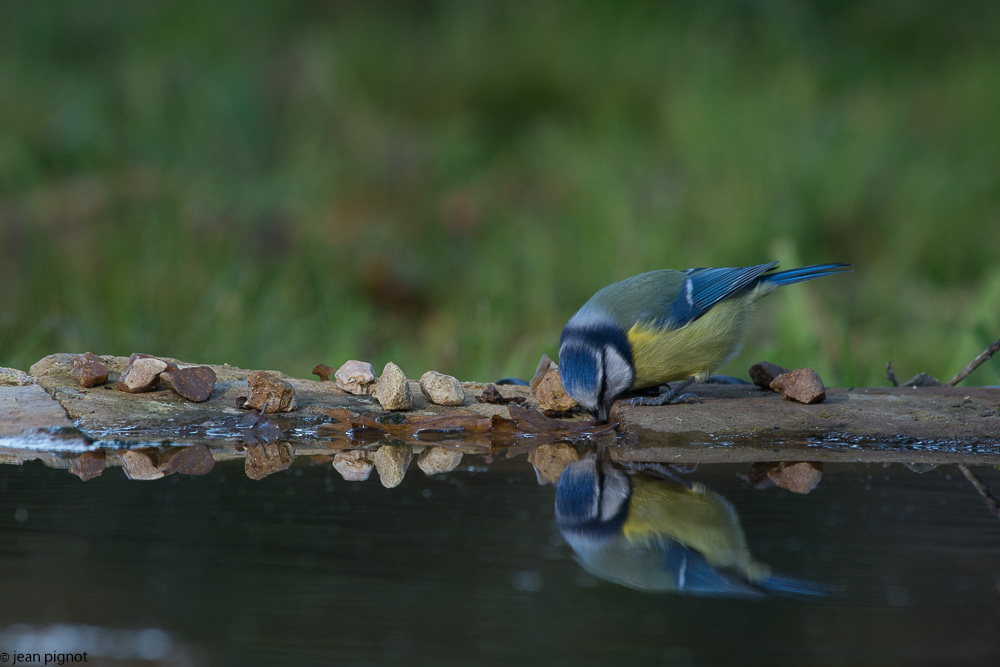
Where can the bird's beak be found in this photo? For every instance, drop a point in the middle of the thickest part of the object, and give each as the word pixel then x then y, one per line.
pixel 601 415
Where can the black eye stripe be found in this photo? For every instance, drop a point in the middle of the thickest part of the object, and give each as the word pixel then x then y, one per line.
pixel 597 336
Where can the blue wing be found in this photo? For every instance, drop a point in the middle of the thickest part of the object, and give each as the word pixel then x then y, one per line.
pixel 703 288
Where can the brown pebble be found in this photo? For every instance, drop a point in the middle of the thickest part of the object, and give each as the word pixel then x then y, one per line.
pixel 190 460
pixel 269 388
pixel 194 384
pixel 763 373
pixel 803 385
pixel 799 477
pixel 90 370
pixel 141 375
pixel 88 465
pixel 551 395
pixel 545 364
pixel 393 389
pixel 355 377
pixel 323 371
pixel 493 396
pixel 140 463
pixel 441 389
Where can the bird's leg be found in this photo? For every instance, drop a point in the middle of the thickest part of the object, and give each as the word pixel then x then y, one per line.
pixel 666 471
pixel 675 395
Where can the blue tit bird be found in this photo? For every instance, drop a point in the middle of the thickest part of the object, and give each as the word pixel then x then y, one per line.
pixel 648 533
pixel 663 326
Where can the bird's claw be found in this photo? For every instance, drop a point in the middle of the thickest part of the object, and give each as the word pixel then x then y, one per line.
pixel 664 399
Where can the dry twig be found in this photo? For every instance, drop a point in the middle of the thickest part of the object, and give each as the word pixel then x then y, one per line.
pixel 975 363
pixel 891 374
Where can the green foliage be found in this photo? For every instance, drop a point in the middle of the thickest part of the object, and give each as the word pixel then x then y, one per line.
pixel 442 184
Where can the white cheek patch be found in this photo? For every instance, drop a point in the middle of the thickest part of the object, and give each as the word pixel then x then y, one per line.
pixel 618 372
pixel 615 493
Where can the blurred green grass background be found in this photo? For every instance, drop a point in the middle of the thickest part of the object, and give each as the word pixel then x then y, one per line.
pixel 442 184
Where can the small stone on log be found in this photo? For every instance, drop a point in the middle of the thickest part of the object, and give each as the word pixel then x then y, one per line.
pixel 142 374
pixel 354 465
pixel 391 462
pixel 763 373
pixel 437 460
pixel 89 370
pixel 195 383
pixel 441 389
pixel 545 364
pixel 393 389
pixel 268 388
pixel 355 377
pixel 551 395
pixel 803 385
pixel 323 371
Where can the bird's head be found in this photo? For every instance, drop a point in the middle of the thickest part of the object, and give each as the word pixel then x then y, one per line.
pixel 595 364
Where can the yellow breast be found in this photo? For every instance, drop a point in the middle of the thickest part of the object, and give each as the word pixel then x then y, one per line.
pixel 663 355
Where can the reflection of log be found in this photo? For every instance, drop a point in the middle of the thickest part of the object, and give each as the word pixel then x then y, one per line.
pixel 733 423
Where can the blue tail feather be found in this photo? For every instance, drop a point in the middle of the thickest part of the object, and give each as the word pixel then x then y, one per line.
pixel 804 273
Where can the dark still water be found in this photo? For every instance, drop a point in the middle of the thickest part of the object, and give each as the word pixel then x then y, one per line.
pixel 470 568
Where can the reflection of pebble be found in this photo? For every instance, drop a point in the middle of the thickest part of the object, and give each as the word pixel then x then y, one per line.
pixel 436 460
pixel 551 395
pixel 88 465
pixel 269 388
pixel 549 460
pixel 188 460
pixel 355 377
pixel 441 389
pixel 354 465
pixel 799 477
pixel 139 464
pixel 392 389
pixel 391 462
pixel 267 458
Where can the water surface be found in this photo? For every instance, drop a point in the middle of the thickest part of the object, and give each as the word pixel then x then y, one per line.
pixel 305 568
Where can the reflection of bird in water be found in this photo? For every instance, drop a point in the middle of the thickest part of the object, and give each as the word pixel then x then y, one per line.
pixel 650 533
